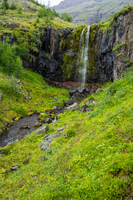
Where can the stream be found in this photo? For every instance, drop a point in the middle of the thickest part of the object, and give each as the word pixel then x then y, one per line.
pixel 26 124
pixel 17 132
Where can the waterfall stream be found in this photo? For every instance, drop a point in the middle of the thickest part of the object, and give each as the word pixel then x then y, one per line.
pixel 83 60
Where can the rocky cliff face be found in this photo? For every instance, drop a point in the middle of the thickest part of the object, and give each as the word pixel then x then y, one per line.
pixel 50 57
pixel 111 50
pixel 56 56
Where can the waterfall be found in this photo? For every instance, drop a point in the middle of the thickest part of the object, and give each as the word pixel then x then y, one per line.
pixel 83 60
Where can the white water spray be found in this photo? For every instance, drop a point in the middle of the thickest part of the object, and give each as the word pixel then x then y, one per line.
pixel 83 61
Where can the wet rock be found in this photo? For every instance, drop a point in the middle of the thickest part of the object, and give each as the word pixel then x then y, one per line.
pixel 37 124
pixel 73 107
pixel 91 91
pixel 0 97
pixel 24 127
pixel 69 102
pixel 60 129
pixel 83 108
pixel 26 161
pixel 43 121
pixel 15 167
pixel 42 129
pixel 48 120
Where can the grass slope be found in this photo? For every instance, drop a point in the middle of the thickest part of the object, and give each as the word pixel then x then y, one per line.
pixel 94 162
pixel 92 11
pixel 23 97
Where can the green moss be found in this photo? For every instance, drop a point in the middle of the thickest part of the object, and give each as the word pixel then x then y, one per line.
pixel 127 60
pixel 68 65
pixel 92 56
pixel 119 46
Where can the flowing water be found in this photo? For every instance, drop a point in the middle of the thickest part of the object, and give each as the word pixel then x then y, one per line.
pixel 83 60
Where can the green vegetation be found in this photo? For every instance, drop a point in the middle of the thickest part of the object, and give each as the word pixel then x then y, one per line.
pixel 66 17
pixel 20 10
pixel 112 19
pixel 10 63
pixel 13 6
pixel 26 95
pixel 93 161
pixel 119 46
pixel 5 4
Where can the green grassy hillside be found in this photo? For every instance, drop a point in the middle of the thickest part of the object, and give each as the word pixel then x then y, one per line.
pixel 92 158
pixel 92 11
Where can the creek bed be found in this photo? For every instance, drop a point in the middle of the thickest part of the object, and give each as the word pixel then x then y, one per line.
pixel 16 132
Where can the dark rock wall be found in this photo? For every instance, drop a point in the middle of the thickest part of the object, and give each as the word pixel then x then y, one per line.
pixel 49 57
pixel 57 54
pixel 107 63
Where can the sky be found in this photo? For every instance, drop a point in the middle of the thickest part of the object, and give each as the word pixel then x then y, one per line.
pixel 52 2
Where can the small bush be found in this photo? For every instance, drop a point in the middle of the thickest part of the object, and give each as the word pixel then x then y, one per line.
pixel 5 5
pixel 20 10
pixel 66 17
pixel 10 62
pixel 71 132
pixel 19 110
pixel 13 6
pixel 10 86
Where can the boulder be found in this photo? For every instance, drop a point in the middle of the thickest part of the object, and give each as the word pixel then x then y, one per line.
pixel 15 167
pixel 42 129
pixel 73 107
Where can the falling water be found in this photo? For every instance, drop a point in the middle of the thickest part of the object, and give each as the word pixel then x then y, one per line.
pixel 83 61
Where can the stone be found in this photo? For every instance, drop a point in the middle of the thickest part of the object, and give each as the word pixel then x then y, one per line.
pixel 15 167
pixel 89 109
pixel 73 107
pixel 44 158
pixel 91 100
pixel 60 129
pixel 24 127
pixel 46 136
pixel 37 124
pixel 26 161
pixel 83 108
pixel 48 120
pixel 98 90
pixel 42 129
pixel 47 142
pixel 69 102
pixel 0 97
